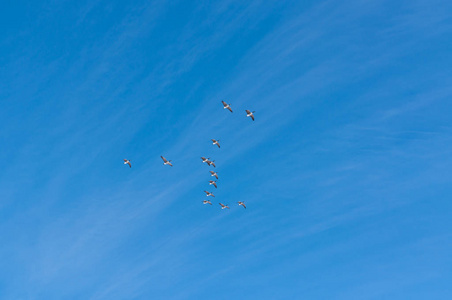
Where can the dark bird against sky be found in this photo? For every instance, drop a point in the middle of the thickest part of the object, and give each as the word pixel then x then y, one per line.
pixel 223 206
pixel 250 114
pixel 166 162
pixel 214 183
pixel 209 194
pixel 228 106
pixel 127 162
pixel 216 142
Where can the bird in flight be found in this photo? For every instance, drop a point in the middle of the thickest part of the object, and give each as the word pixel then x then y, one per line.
pixel 127 162
pixel 214 174
pixel 228 106
pixel 209 194
pixel 211 163
pixel 216 142
pixel 207 202
pixel 224 206
pixel 166 162
pixel 205 160
pixel 242 204
pixel 214 183
pixel 250 114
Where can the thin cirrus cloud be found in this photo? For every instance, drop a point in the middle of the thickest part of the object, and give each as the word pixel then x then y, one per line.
pixel 343 171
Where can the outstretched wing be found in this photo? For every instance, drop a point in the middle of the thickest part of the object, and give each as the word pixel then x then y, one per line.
pixel 252 117
pixel 164 159
pixel 214 184
pixel 229 108
pixel 130 165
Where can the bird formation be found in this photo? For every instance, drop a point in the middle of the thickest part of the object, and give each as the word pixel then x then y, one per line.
pixel 209 162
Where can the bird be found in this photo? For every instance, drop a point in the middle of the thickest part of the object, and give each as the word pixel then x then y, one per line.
pixel 209 194
pixel 224 206
pixel 214 174
pixel 214 183
pixel 242 204
pixel 211 163
pixel 228 106
pixel 250 114
pixel 206 160
pixel 166 162
pixel 216 142
pixel 207 202
pixel 127 162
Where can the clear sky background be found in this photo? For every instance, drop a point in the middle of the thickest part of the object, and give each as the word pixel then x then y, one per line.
pixel 346 172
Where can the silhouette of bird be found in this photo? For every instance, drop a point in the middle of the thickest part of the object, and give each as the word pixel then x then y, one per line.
pixel 214 174
pixel 166 162
pixel 209 194
pixel 207 202
pixel 216 142
pixel 242 204
pixel 214 183
pixel 127 162
pixel 228 106
pixel 250 114
pixel 224 206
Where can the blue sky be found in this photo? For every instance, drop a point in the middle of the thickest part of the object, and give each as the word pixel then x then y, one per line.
pixel 346 171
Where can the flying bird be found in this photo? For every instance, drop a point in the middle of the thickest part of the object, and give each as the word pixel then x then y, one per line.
pixel 205 160
pixel 228 106
pixel 211 163
pixel 214 183
pixel 214 174
pixel 224 206
pixel 242 204
pixel 209 194
pixel 207 202
pixel 250 114
pixel 166 162
pixel 216 142
pixel 127 162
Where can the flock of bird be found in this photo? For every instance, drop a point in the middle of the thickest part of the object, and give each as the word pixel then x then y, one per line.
pixel 208 162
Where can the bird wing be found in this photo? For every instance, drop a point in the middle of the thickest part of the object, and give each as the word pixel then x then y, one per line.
pixel 216 176
pixel 213 164
pixel 164 159
pixel 130 165
pixel 229 108
pixel 247 112
pixel 212 172
pixel 252 117
pixel 214 184
pixel 224 103
pixel 218 144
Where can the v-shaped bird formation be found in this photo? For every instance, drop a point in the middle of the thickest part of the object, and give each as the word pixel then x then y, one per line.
pixel 208 162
